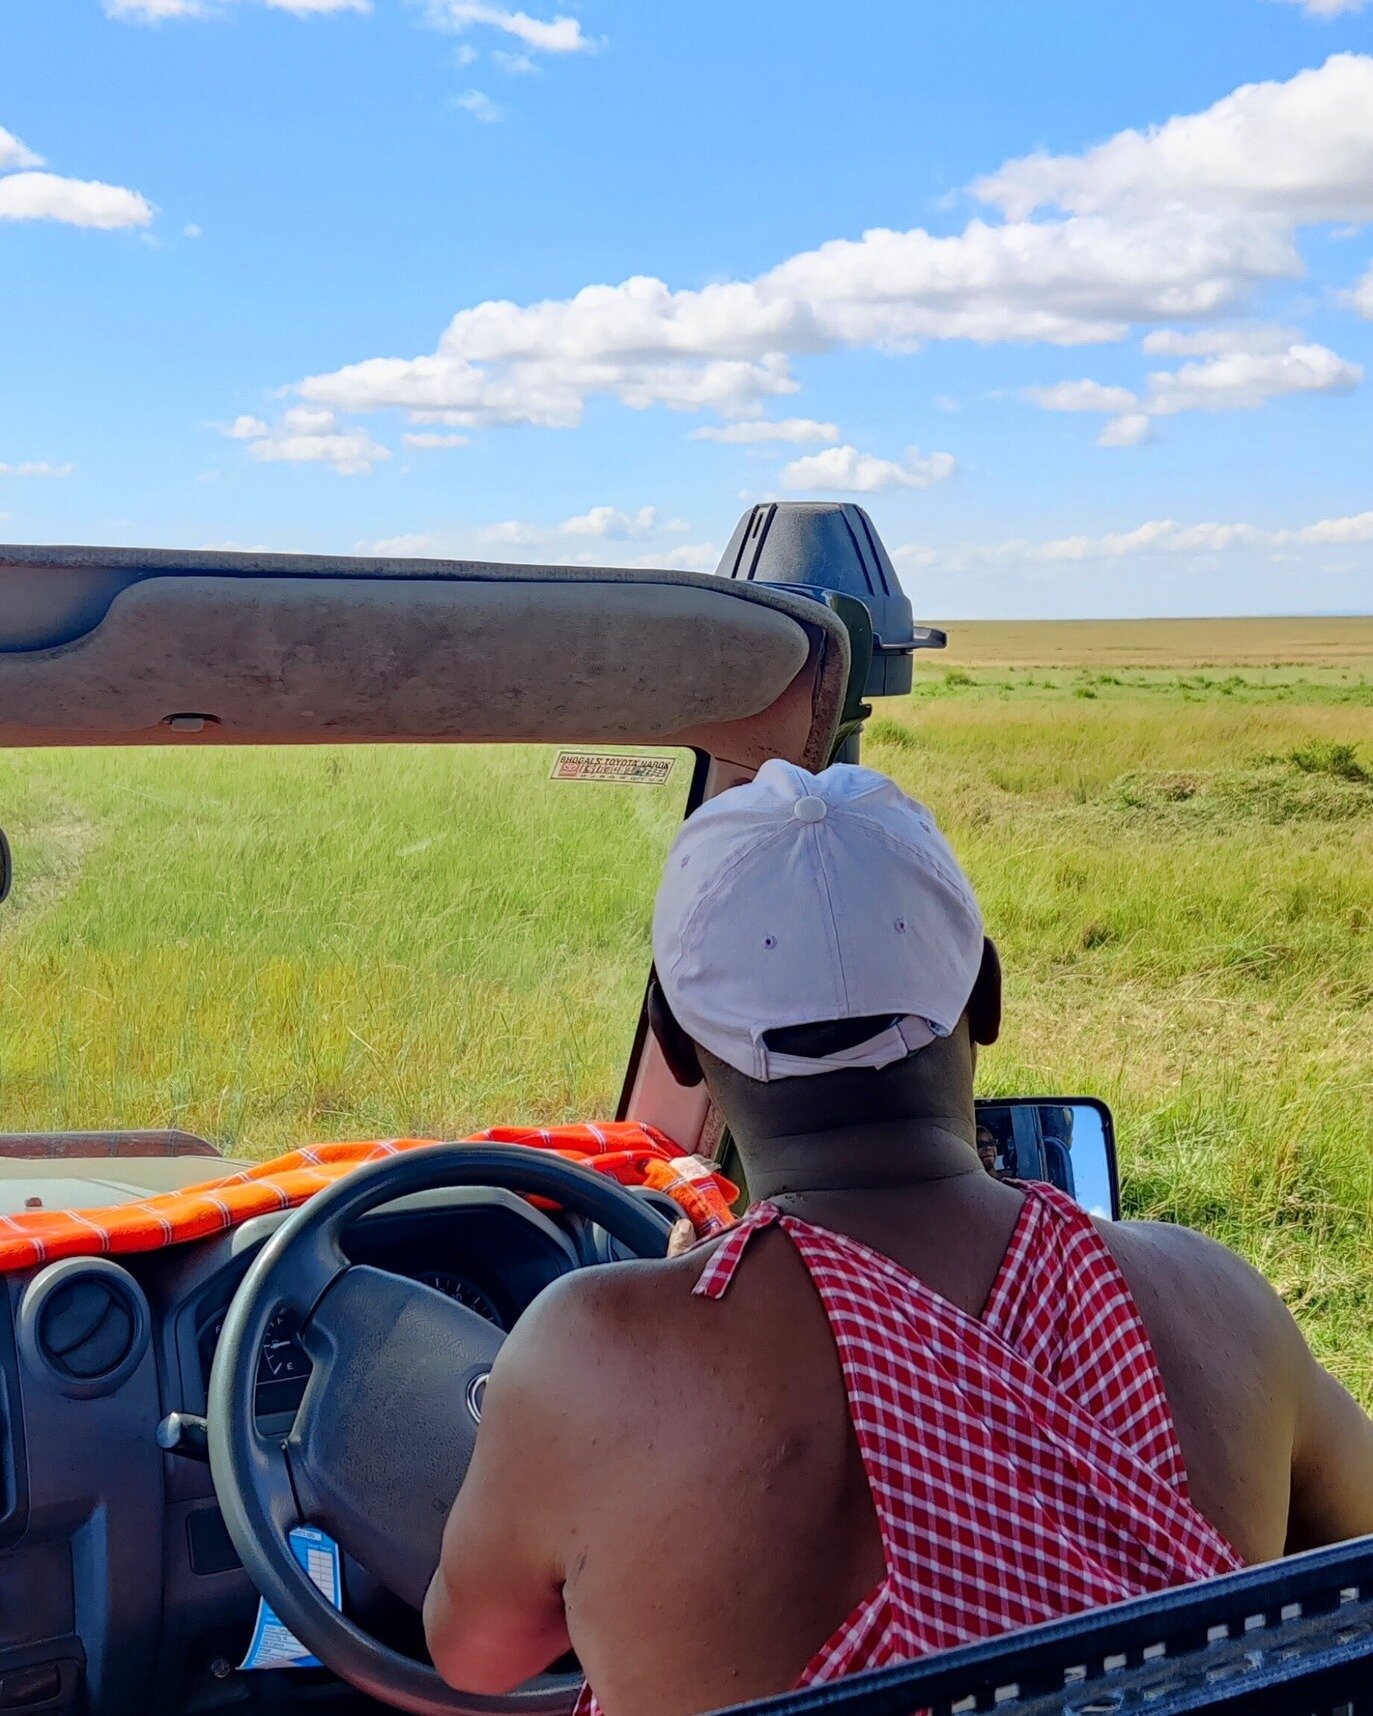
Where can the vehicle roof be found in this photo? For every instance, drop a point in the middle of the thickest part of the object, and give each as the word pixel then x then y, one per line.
pixel 106 645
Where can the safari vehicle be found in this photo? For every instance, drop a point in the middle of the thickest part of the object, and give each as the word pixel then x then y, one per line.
pixel 165 1419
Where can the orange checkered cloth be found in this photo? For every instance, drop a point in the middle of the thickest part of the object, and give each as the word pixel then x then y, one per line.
pixel 632 1154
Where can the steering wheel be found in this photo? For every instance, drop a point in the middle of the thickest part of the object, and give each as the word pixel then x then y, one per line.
pixel 386 1428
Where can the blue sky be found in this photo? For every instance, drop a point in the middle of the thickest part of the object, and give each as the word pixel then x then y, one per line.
pixel 1076 296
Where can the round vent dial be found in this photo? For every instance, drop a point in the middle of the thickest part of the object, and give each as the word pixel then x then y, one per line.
pixel 83 1325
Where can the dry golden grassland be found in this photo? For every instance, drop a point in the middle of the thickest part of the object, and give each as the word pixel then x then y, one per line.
pixel 1171 644
pixel 1170 825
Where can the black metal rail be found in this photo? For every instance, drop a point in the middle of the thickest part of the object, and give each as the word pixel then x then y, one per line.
pixel 1292 1638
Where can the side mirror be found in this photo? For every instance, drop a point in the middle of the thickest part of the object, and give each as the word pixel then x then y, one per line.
pixel 1070 1141
pixel 6 865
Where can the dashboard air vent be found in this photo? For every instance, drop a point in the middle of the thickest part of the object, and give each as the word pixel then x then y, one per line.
pixel 84 1325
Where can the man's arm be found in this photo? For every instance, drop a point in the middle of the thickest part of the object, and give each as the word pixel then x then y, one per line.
pixel 1222 1331
pixel 494 1613
pixel 1332 1464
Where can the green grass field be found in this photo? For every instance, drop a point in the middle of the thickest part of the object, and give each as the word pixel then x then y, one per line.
pixel 1170 825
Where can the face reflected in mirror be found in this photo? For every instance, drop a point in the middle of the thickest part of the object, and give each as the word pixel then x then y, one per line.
pixel 1069 1145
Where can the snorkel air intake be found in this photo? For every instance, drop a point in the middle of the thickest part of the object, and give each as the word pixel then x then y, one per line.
pixel 829 551
pixel 824 548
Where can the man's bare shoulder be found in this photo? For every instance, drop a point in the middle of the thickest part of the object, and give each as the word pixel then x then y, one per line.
pixel 630 1349
pixel 1192 1283
pixel 1277 1450
pixel 1185 1248
pixel 622 1316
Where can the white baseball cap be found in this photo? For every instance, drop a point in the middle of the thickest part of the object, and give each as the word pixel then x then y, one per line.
pixel 798 899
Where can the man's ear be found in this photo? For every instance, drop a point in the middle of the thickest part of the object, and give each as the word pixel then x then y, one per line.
pixel 984 1004
pixel 678 1049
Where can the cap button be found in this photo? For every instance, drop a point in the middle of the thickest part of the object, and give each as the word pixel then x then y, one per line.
pixel 810 809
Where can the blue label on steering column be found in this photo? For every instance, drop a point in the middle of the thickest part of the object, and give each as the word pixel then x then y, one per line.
pixel 274 1645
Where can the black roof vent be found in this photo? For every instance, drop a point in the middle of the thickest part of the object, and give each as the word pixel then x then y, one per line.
pixel 821 546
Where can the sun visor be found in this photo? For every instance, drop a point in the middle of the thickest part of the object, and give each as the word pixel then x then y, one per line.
pixel 95 651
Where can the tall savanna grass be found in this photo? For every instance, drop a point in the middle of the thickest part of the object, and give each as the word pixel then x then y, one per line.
pixel 272 946
pixel 1178 869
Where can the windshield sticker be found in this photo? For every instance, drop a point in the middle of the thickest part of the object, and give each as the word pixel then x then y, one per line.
pixel 274 1645
pixel 619 766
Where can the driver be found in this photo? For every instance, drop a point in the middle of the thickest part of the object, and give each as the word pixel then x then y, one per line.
pixel 902 1404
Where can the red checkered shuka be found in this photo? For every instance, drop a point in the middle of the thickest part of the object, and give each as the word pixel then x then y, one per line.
pixel 1023 1465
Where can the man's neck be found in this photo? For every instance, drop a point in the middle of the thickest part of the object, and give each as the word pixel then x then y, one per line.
pixel 907 1125
pixel 868 1158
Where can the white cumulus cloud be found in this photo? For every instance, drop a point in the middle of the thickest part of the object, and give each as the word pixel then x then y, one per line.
pixel 1242 381
pixel 557 35
pixel 844 470
pixel 1329 8
pixel 414 544
pixel 1180 224
pixel 1361 298
pixel 1297 150
pixel 14 154
pixel 309 437
pixel 1082 396
pixel 605 523
pixel 73 202
pixel 1229 380
pixel 1354 527
pixel 1165 536
pixel 29 193
pixel 686 557
pixel 1128 430
pixel 430 438
pixel 1208 342
pixel 1155 537
pixel 610 521
pixel 727 347
pixel 36 468
pixel 480 105
pixel 799 431
pixel 149 11
pixel 539 542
